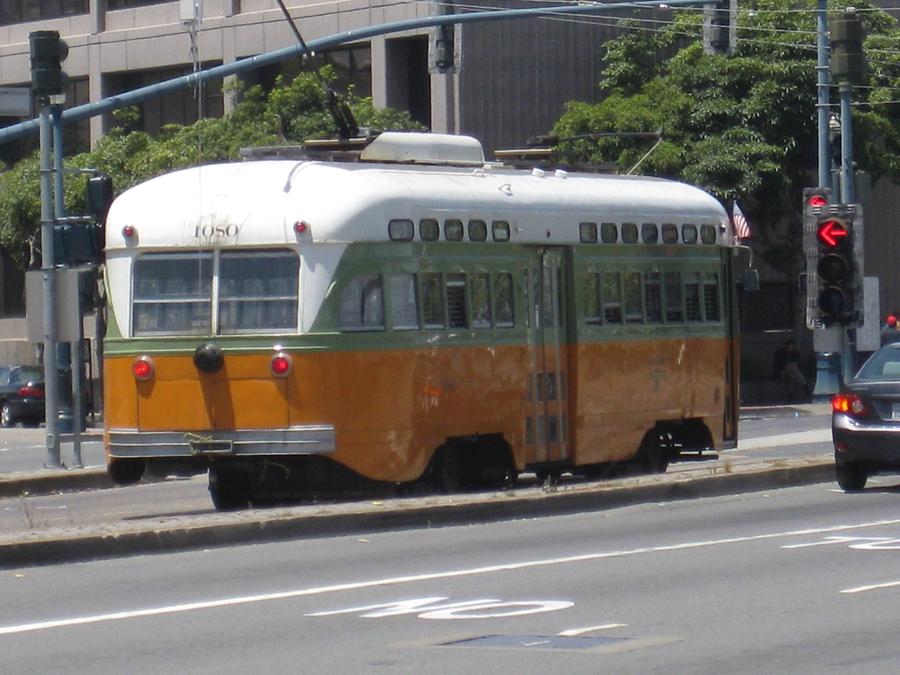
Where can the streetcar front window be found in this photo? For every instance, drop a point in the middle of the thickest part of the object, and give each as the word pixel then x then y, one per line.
pixel 171 294
pixel 257 291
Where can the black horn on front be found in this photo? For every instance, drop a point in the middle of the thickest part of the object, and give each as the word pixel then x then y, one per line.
pixel 208 358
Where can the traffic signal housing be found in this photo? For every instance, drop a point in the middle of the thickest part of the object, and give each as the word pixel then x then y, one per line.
pixel 719 27
pixel 833 247
pixel 47 54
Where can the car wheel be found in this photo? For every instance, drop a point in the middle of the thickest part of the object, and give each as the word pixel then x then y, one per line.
pixel 6 418
pixel 851 478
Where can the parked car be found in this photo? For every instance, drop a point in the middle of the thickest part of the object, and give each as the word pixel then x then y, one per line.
pixel 865 420
pixel 21 395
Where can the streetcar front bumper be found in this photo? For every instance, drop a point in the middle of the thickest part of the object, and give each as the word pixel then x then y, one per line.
pixel 297 440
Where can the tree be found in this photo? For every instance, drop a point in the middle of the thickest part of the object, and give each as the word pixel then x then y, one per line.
pixel 291 113
pixel 741 126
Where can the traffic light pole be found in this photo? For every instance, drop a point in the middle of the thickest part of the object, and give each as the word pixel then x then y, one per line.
pixel 48 275
pixel 848 191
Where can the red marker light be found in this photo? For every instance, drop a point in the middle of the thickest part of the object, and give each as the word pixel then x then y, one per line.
pixel 832 233
pixel 128 231
pixel 849 404
pixel 817 201
pixel 301 227
pixel 142 368
pixel 281 364
pixel 892 321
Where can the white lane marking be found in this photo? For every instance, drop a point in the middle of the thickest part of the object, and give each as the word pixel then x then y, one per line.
pixel 777 440
pixel 574 632
pixel 835 540
pixel 416 578
pixel 871 587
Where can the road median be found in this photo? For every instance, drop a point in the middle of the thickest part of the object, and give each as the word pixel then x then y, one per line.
pixel 176 533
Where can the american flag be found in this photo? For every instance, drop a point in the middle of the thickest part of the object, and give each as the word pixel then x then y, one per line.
pixel 741 226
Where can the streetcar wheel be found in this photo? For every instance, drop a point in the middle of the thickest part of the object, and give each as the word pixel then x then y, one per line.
pixel 6 418
pixel 851 478
pixel 230 490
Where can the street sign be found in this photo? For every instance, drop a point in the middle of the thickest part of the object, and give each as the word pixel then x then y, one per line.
pixel 15 101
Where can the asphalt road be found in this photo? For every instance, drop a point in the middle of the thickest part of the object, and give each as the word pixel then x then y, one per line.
pixel 800 580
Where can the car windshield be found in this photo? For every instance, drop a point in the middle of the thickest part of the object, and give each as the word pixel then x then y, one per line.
pixel 882 365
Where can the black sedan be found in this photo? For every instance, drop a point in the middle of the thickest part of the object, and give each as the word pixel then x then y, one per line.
pixel 21 395
pixel 865 420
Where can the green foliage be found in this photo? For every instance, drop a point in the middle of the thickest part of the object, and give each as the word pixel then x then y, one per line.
pixel 292 112
pixel 741 126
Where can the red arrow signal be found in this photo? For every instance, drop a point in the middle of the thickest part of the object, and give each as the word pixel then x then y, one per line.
pixel 832 233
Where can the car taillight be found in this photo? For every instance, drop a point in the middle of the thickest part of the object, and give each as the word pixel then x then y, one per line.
pixel 142 368
pixel 849 404
pixel 29 391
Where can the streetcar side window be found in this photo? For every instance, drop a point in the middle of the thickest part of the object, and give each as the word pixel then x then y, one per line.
pixel 171 294
pixel 649 233
pixel 453 230
pixel 592 298
pixel 432 294
pixel 653 297
pixel 257 291
pixel 362 305
pixel 609 233
pixel 692 296
pixel 629 233
pixel 587 233
pixel 634 306
pixel 612 297
pixel 480 287
pixel 689 234
pixel 669 233
pixel 503 301
pixel 429 229
pixel 500 229
pixel 477 230
pixel 711 296
pixel 674 306
pixel 708 234
pixel 456 301
pixel 404 305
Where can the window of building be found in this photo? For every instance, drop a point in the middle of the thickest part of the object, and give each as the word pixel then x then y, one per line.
pixel 257 291
pixel 587 233
pixel 592 298
pixel 18 11
pixel 171 294
pixel 404 307
pixel 480 287
pixel 477 230
pixel 128 4
pixel 503 300
pixel 362 304
pixel 653 297
pixel 456 301
pixel 428 229
pixel 352 67
pixel 432 294
pixel 611 296
pixel 633 300
pixel 674 307
pixel 453 230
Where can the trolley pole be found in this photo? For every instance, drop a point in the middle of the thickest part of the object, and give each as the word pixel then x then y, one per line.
pixel 48 275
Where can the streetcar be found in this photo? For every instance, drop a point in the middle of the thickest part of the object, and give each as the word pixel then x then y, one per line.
pixel 413 315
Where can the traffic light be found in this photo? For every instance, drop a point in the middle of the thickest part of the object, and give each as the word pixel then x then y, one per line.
pixel 719 26
pixel 77 243
pixel 47 54
pixel 848 61
pixel 833 247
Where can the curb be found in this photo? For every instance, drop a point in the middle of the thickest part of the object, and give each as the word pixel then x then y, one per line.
pixel 302 522
pixel 54 480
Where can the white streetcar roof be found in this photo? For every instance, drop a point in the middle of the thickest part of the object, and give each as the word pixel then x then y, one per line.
pixel 258 203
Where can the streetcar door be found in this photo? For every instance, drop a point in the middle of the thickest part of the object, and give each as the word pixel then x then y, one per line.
pixel 546 410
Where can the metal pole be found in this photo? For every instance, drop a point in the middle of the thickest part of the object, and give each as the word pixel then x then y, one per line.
pixel 68 354
pixel 822 81
pixel 848 191
pixel 48 275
